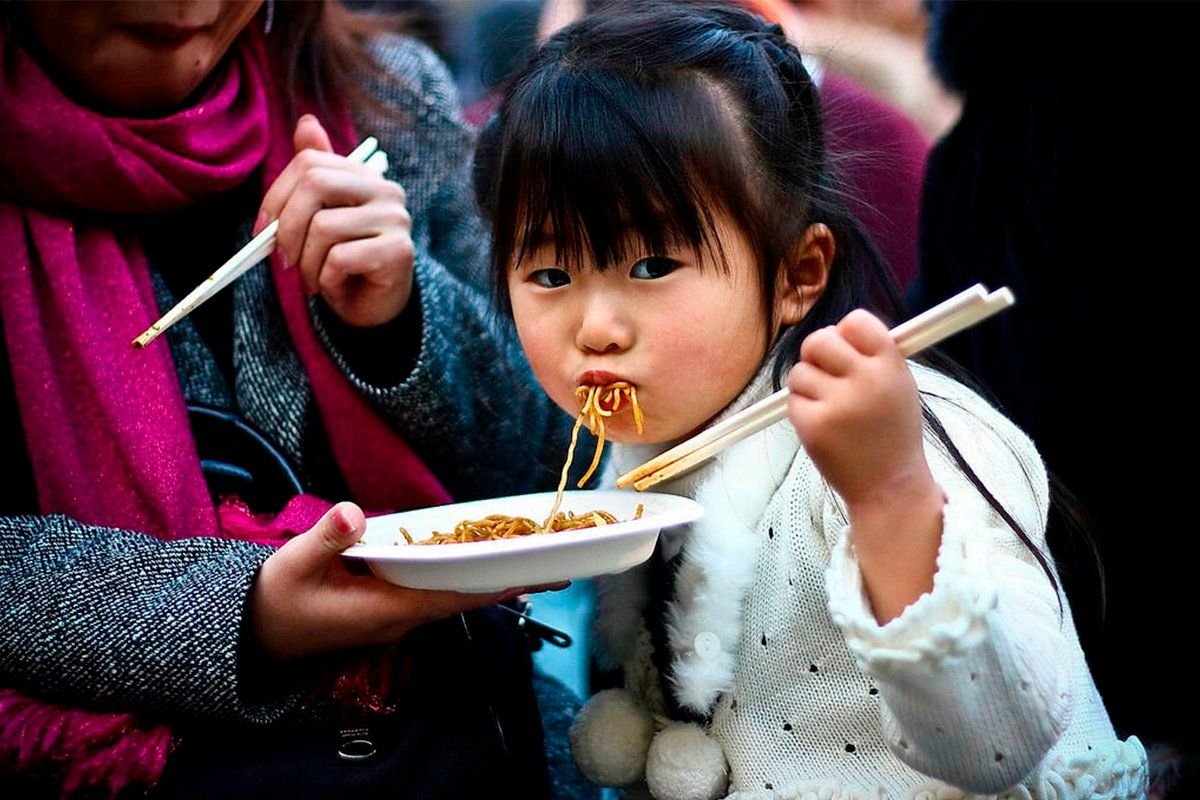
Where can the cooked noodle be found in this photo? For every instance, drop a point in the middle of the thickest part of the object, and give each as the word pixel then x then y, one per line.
pixel 598 402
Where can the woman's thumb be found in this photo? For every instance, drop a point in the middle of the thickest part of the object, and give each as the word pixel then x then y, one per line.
pixel 340 528
pixel 310 135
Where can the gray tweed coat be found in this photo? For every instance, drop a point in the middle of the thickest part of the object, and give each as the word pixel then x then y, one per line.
pixel 122 621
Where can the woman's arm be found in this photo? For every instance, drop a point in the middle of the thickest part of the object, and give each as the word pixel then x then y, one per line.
pixel 121 621
pixel 975 675
pixel 114 620
pixel 448 374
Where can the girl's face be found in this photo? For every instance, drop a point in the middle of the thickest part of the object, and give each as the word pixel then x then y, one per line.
pixel 137 56
pixel 688 333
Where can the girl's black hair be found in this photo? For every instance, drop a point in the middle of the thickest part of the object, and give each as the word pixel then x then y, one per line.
pixel 637 124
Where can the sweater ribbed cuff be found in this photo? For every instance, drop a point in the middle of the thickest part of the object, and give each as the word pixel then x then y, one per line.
pixel 945 623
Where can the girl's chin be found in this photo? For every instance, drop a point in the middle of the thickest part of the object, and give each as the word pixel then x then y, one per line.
pixel 631 437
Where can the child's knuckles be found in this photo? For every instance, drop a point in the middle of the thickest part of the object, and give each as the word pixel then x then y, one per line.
pixel 816 343
pixel 796 375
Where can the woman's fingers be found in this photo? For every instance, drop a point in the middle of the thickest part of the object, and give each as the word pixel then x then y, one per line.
pixel 338 529
pixel 345 227
pixel 367 282
pixel 329 227
pixel 305 601
pixel 324 184
pixel 310 135
pixel 313 148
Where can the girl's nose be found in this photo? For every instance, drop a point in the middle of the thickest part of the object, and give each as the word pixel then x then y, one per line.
pixel 603 328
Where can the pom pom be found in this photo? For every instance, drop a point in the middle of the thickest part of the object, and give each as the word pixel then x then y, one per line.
pixel 610 737
pixel 685 763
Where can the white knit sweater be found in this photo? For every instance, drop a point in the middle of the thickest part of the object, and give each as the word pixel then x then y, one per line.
pixel 979 688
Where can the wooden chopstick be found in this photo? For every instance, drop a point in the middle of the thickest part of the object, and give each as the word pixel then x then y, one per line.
pixel 252 252
pixel 924 330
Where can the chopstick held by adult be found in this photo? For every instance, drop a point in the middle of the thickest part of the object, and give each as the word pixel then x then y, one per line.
pixel 345 227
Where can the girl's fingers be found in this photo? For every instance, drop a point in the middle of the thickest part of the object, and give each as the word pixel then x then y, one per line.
pixel 829 350
pixel 865 332
pixel 809 381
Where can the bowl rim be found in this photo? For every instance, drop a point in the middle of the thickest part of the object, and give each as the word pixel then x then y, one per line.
pixel 682 510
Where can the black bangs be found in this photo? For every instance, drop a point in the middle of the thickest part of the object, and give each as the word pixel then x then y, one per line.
pixel 606 161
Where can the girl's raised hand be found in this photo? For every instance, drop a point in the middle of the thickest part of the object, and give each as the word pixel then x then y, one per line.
pixel 305 601
pixel 854 404
pixel 345 227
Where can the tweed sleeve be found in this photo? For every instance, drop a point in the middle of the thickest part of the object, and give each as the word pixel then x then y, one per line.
pixel 429 149
pixel 976 675
pixel 119 621
pixel 469 405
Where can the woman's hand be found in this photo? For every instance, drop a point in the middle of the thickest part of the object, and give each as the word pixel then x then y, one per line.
pixel 345 227
pixel 855 406
pixel 305 601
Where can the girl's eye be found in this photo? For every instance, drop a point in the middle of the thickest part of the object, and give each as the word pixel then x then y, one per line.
pixel 653 267
pixel 550 278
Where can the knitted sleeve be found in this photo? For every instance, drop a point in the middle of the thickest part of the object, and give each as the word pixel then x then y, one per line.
pixel 121 621
pixel 469 405
pixel 976 676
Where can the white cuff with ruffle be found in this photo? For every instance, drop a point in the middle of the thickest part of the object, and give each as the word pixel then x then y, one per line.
pixel 945 623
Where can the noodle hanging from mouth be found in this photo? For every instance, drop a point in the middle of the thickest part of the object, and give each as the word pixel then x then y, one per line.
pixel 597 403
pixel 593 411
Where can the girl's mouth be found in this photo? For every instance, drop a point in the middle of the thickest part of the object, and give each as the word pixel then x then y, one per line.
pixel 597 377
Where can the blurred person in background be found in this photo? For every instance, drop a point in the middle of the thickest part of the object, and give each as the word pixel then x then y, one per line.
pixel 1067 178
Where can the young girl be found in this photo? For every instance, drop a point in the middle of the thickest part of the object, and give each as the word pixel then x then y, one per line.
pixel 867 609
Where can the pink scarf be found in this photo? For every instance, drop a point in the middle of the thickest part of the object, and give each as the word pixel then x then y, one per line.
pixel 106 425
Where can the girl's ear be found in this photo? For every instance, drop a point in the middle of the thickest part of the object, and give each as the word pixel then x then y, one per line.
pixel 802 278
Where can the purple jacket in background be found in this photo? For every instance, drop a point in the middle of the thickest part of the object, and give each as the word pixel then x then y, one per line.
pixel 880 156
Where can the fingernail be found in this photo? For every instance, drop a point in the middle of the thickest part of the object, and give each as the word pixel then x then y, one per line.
pixel 343 523
pixel 283 258
pixel 260 222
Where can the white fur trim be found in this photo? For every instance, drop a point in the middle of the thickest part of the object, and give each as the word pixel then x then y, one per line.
pixel 719 562
pixel 685 763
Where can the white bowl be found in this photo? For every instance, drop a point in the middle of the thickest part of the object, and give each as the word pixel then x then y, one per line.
pixel 524 561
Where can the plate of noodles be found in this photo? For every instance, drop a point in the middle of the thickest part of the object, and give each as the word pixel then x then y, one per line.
pixel 504 543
